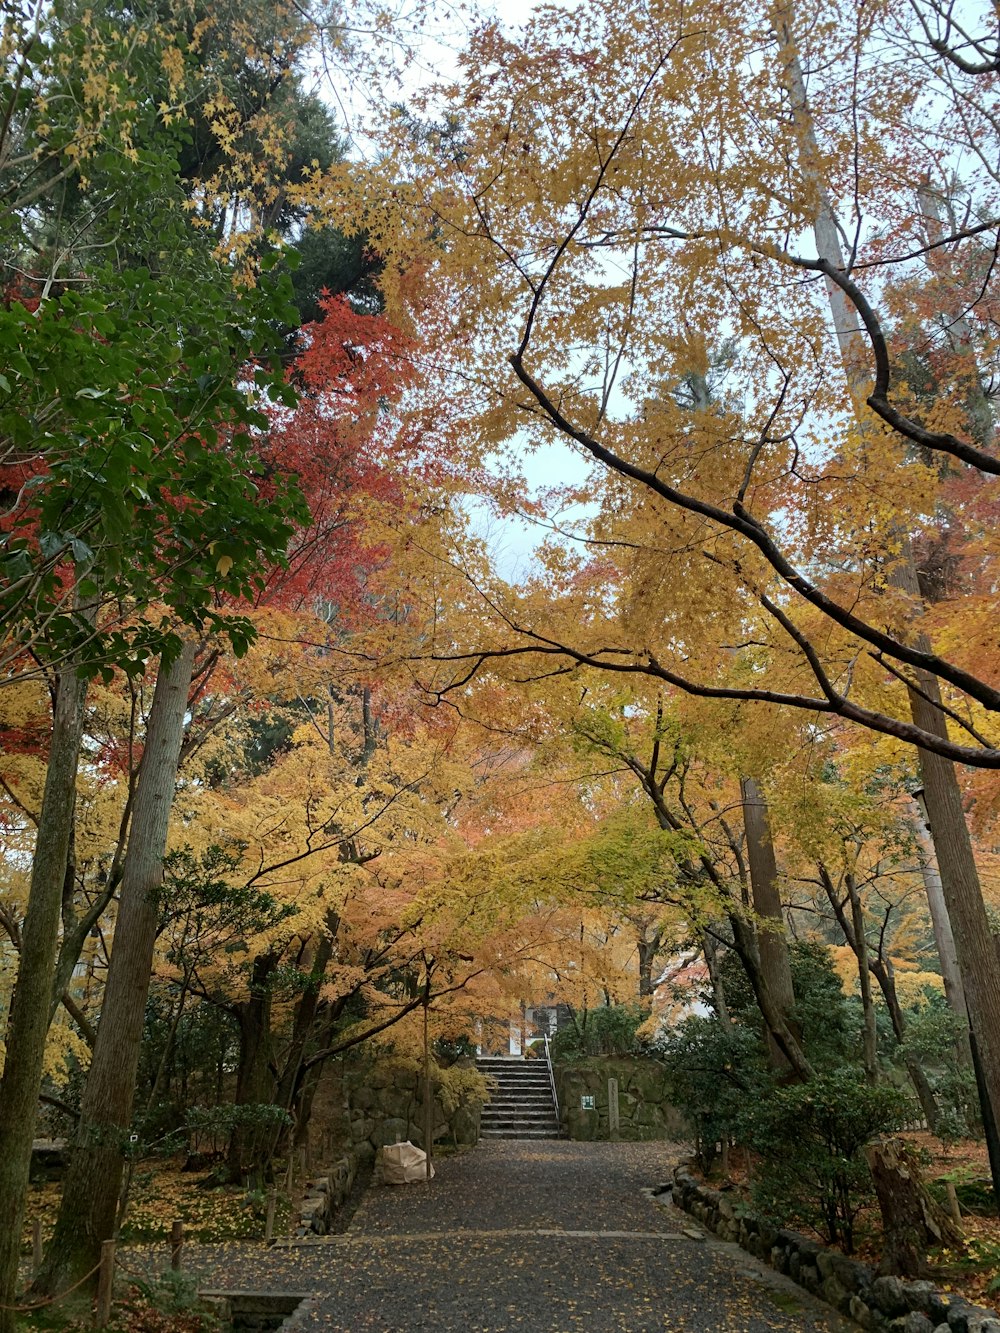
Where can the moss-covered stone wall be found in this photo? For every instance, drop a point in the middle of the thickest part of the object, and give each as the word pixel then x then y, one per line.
pixel 644 1108
pixel 383 1102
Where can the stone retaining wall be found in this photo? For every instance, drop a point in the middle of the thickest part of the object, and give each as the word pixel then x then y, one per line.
pixel 644 1108
pixel 385 1104
pixel 852 1288
pixel 326 1194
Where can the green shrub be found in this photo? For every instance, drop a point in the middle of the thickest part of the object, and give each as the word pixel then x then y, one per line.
pixel 829 1020
pixel 712 1071
pixel 609 1030
pixel 460 1086
pixel 933 1037
pixel 167 1304
pixel 810 1139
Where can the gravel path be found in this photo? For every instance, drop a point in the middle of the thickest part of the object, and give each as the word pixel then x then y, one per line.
pixel 532 1237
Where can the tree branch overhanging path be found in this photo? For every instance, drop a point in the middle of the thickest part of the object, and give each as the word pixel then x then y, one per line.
pixel 745 532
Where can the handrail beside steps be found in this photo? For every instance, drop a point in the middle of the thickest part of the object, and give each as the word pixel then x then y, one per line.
pixel 552 1078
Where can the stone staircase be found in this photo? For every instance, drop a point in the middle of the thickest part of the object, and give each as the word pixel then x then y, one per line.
pixel 521 1104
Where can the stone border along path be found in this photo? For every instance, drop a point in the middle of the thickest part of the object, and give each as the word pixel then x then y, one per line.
pixel 525 1236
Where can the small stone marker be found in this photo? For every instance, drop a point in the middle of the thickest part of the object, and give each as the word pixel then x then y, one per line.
pixel 613 1121
pixel 176 1244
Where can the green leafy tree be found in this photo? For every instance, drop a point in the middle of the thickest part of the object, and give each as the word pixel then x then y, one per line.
pixel 135 376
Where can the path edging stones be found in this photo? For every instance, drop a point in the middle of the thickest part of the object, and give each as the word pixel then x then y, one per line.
pixel 852 1288
pixel 326 1194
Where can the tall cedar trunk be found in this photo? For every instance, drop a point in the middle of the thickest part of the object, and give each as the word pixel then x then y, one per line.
pixel 959 876
pixel 711 950
pixel 255 1077
pixel 944 936
pixel 778 1030
pixel 882 970
pixel 89 1208
pixel 28 1021
pixel 974 944
pixel 885 976
pixel 771 943
pixel 745 946
pixel 869 1037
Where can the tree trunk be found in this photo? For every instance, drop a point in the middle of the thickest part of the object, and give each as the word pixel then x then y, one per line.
pixel 884 975
pixel 28 1020
pixel 882 971
pixel 160 1078
pixel 648 949
pixel 942 796
pixel 745 946
pixel 771 943
pixel 302 1107
pixel 869 1034
pixel 944 936
pixel 307 1009
pixel 974 946
pixel 745 941
pixel 778 1030
pixel 255 1075
pixel 89 1208
pixel 911 1220
pixel 711 950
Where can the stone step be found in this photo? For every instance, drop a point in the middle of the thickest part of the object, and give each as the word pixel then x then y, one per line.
pixel 515 1122
pixel 520 1134
pixel 524 1090
pixel 511 1105
pixel 533 1112
pixel 539 1089
pixel 506 1076
pixel 512 1064
pixel 543 1098
pixel 514 1103
pixel 526 1071
pixel 521 1105
pixel 520 1082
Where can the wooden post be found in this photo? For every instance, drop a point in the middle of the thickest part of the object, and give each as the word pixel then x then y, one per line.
pixel 954 1207
pixel 176 1244
pixel 105 1284
pixel 428 1104
pixel 272 1203
pixel 36 1244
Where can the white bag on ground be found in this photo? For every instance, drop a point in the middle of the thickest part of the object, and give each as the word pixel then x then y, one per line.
pixel 404 1163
